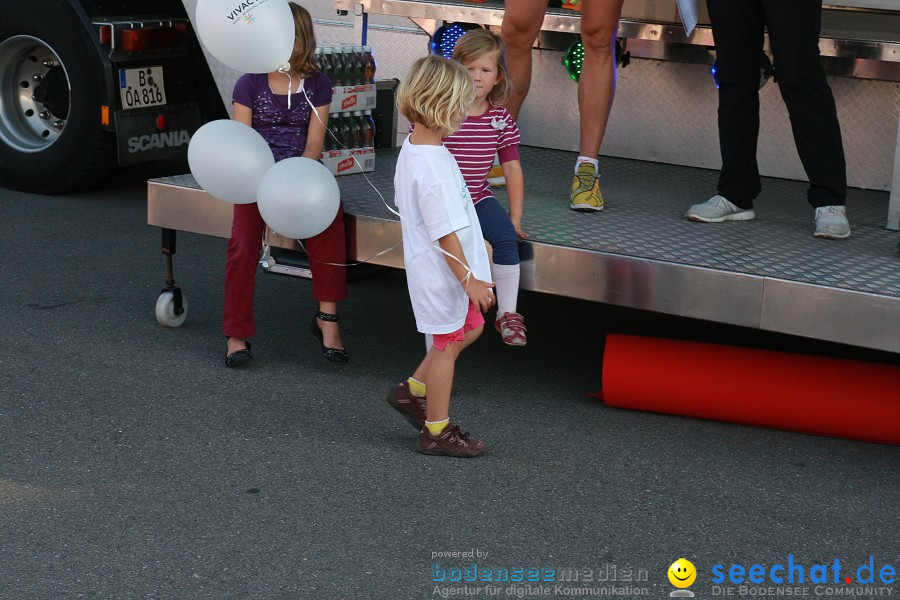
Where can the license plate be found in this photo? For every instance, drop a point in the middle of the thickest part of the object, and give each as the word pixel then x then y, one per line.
pixel 142 87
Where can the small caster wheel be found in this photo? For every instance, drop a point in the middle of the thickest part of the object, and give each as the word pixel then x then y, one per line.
pixel 165 310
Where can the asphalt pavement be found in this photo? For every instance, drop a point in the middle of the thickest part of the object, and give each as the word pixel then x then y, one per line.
pixel 133 464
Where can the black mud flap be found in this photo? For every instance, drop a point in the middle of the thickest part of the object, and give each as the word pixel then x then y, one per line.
pixel 155 133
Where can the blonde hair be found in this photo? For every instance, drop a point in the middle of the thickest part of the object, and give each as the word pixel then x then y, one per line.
pixel 479 43
pixel 436 93
pixel 303 61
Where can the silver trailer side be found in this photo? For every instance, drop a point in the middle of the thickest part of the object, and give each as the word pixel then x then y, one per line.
pixel 659 156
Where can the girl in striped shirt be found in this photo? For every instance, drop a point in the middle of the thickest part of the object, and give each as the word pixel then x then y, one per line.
pixel 490 130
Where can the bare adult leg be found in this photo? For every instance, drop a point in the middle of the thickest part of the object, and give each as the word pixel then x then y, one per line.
pixel 331 332
pixel 522 21
pixel 597 85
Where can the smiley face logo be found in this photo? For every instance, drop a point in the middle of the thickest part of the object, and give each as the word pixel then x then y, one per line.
pixel 682 573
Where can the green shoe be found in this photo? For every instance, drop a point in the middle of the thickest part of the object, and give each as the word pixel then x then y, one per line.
pixel 586 194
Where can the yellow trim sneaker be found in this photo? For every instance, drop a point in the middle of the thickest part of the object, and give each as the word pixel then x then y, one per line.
pixel 495 176
pixel 586 196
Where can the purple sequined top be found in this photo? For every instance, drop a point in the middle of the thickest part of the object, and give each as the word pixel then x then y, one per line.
pixel 284 130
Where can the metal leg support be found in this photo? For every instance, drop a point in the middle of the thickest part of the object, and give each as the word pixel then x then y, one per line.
pixel 168 248
pixel 360 24
pixel 893 221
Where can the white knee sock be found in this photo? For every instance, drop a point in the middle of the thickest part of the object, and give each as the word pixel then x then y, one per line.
pixel 506 277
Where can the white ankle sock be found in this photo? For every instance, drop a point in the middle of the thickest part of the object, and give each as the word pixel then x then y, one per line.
pixel 588 159
pixel 506 278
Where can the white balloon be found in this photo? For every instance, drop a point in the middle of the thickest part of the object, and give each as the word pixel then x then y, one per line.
pixel 298 198
pixel 228 159
pixel 252 36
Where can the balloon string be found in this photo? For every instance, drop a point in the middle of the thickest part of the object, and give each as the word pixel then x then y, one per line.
pixel 383 201
pixel 285 69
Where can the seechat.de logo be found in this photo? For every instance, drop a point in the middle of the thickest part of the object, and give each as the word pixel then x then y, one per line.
pixel 792 572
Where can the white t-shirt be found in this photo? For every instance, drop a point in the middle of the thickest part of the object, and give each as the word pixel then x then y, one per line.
pixel 434 201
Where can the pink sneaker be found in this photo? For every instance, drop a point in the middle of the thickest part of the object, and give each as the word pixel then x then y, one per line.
pixel 512 329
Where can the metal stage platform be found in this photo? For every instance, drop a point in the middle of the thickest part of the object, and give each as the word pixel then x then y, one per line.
pixel 859 39
pixel 640 252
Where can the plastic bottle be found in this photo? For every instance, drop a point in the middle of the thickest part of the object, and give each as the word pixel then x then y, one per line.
pixel 369 65
pixel 348 65
pixel 330 141
pixel 337 63
pixel 368 129
pixel 357 136
pixel 359 66
pixel 343 132
pixel 327 63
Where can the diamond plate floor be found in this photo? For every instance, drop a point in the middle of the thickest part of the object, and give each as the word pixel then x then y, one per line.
pixel 644 217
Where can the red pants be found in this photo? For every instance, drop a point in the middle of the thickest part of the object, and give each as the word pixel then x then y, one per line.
pixel 242 262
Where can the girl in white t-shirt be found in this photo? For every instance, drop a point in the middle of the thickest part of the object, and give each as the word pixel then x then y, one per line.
pixel 447 267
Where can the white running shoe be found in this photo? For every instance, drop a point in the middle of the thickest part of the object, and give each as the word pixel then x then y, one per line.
pixel 718 209
pixel 832 223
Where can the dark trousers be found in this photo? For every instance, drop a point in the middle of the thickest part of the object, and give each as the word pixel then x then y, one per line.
pixel 793 26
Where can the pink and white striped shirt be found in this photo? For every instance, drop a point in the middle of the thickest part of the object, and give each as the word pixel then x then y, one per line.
pixel 477 141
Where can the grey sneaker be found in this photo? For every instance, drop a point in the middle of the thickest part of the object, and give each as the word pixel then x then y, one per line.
pixel 832 223
pixel 718 209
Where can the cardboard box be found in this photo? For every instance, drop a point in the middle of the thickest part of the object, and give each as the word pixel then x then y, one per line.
pixel 352 97
pixel 347 162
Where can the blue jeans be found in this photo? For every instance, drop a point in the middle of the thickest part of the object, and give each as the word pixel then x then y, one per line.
pixel 498 230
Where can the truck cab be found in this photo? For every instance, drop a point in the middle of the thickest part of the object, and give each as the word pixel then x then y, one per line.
pixel 91 88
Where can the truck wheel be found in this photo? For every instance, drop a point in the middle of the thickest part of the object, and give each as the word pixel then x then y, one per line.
pixel 52 84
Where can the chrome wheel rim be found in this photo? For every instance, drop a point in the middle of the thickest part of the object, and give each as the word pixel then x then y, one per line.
pixel 35 94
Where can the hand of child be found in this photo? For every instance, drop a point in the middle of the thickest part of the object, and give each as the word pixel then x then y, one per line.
pixel 480 293
pixel 517 223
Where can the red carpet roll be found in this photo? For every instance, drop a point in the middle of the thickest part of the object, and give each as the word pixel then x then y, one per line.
pixel 797 392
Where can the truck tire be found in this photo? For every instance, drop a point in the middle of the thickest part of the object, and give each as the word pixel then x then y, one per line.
pixel 52 85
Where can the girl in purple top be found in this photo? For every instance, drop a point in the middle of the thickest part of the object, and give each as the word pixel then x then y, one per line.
pixel 275 104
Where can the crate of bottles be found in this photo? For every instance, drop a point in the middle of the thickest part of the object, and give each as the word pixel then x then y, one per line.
pixel 350 145
pixel 351 70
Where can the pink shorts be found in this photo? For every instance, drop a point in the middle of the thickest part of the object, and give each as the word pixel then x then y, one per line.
pixel 474 319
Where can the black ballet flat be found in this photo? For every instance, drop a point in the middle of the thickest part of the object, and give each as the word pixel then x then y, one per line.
pixel 239 357
pixel 335 355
